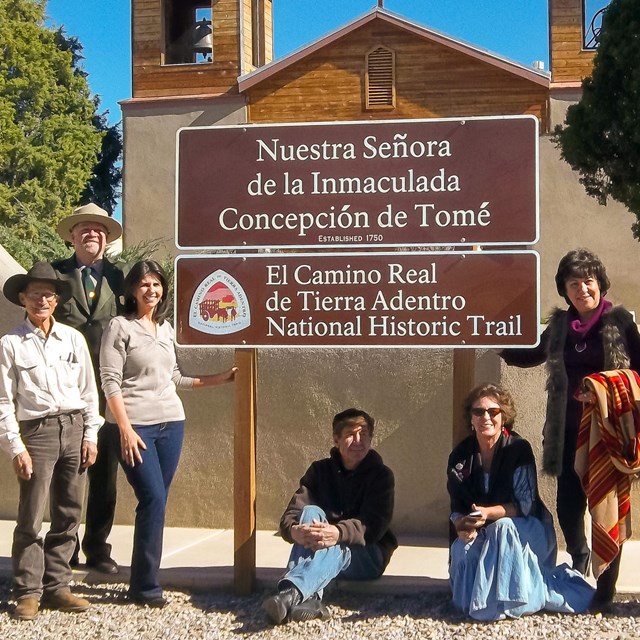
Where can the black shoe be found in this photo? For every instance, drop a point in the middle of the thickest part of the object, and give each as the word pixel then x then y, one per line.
pixel 158 602
pixel 278 607
pixel 103 565
pixel 311 609
pixel 601 605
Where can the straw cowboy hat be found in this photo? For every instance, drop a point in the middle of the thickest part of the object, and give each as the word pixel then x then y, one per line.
pixel 40 272
pixel 89 213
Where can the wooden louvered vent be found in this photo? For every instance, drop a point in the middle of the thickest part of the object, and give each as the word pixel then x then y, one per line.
pixel 380 90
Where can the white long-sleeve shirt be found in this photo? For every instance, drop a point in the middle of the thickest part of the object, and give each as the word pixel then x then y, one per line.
pixel 42 376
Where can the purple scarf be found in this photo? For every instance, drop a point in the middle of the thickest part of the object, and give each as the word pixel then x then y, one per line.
pixel 579 328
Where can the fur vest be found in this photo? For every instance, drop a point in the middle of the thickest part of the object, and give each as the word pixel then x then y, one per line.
pixel 616 356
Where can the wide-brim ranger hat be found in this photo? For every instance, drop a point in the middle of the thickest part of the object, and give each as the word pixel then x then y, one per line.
pixel 40 272
pixel 89 213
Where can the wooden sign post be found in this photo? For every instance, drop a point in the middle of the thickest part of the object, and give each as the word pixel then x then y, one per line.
pixel 359 185
pixel 244 472
pixel 464 376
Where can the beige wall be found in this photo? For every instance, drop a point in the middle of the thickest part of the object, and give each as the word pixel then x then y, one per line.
pixel 149 131
pixel 10 314
pixel 408 391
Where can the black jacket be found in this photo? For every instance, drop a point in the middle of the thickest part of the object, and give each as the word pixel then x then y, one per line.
pixel 613 343
pixel 465 476
pixel 75 312
pixel 359 502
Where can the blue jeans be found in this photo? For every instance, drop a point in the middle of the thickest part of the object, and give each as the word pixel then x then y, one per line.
pixel 150 482
pixel 311 571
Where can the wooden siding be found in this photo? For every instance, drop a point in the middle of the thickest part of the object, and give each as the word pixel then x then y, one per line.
pixel 568 60
pixel 432 80
pixel 247 37
pixel 268 31
pixel 152 78
pixel 247 34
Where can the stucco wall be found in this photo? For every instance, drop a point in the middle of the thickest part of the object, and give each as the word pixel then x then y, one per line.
pixel 10 314
pixel 408 391
pixel 149 131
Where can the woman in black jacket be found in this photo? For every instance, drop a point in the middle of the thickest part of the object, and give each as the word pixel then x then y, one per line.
pixel 590 336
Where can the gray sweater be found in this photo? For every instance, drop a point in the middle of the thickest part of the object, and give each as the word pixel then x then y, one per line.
pixel 143 369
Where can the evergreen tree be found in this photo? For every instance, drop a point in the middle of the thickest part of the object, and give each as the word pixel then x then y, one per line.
pixel 56 150
pixel 601 136
pixel 104 186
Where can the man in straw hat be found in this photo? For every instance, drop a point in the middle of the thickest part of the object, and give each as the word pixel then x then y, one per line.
pixel 96 286
pixel 49 424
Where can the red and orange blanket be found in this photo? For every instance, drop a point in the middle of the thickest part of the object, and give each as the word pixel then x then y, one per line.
pixel 607 458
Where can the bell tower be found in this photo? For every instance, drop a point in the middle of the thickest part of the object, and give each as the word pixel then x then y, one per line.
pixel 573 39
pixel 197 47
pixel 573 33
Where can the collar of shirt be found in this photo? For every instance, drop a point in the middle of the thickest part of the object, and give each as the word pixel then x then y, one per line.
pixel 39 333
pixel 97 267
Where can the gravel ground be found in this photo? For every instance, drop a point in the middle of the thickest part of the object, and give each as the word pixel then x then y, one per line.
pixel 213 617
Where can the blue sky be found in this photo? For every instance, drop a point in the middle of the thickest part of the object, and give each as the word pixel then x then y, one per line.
pixel 516 29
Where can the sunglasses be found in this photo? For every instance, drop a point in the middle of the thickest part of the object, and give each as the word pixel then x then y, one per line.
pixel 492 411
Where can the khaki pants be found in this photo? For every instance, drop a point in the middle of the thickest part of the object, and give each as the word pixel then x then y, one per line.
pixel 54 444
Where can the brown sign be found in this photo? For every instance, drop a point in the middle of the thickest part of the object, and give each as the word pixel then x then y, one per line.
pixel 359 184
pixel 421 299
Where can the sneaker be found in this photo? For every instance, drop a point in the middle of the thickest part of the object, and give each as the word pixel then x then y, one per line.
pixel 26 609
pixel 64 600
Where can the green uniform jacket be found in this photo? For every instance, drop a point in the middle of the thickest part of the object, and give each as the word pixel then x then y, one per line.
pixel 75 312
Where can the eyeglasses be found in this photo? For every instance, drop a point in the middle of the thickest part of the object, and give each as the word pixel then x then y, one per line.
pixel 38 295
pixel 492 411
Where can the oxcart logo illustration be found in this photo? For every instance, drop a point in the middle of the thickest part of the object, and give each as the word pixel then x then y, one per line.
pixel 219 305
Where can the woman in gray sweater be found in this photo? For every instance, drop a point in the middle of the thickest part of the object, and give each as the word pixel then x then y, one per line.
pixel 140 376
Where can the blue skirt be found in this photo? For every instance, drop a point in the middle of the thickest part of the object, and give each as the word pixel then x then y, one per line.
pixel 509 571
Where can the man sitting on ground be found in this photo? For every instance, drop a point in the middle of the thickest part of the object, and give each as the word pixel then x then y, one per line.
pixel 338 522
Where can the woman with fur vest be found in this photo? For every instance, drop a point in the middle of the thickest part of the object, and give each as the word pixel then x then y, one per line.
pixel 590 336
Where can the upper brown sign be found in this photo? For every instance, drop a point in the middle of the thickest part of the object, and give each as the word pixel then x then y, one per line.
pixel 359 184
pixel 368 299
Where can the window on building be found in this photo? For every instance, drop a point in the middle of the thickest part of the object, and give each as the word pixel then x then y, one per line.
pixel 188 37
pixel 592 11
pixel 380 90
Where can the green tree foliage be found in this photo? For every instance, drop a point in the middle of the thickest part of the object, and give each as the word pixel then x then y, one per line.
pixel 601 136
pixel 56 151
pixel 104 186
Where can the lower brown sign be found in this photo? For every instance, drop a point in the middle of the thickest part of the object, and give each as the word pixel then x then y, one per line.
pixel 419 299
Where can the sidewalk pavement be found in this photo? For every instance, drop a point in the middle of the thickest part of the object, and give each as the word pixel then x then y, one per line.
pixel 201 560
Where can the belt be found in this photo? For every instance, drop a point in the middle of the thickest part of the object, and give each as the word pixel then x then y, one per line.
pixel 50 419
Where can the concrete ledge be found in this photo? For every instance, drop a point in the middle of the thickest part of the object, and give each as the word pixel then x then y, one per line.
pixel 201 560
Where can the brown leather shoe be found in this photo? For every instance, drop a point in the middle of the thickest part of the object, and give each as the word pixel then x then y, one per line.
pixel 64 600
pixel 26 609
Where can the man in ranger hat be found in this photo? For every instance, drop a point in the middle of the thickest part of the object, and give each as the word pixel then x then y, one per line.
pixel 96 286
pixel 49 424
